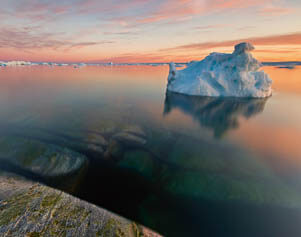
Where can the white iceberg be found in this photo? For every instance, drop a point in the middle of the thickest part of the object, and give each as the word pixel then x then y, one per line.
pixel 219 74
pixel 15 63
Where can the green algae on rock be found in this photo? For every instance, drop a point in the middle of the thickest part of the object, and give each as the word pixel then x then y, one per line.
pixel 38 210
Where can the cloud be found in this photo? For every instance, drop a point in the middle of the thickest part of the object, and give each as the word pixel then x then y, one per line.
pixel 135 26
pixel 287 39
pixel 275 11
pixel 27 38
pixel 175 9
pixel 134 12
pixel 184 53
pixel 210 27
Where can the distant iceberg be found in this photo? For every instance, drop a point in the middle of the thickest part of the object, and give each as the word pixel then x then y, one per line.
pixel 15 63
pixel 219 74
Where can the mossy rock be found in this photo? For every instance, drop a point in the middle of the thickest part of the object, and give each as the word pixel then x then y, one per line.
pixel 43 211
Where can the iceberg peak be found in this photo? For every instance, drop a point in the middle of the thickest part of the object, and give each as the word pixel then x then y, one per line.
pixel 220 74
pixel 243 48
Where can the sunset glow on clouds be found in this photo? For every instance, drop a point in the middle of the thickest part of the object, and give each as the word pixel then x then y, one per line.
pixel 146 30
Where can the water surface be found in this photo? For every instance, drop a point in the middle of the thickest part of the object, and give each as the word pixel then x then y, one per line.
pixel 181 165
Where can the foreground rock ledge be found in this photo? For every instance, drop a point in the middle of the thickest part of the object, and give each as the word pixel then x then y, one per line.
pixel 31 209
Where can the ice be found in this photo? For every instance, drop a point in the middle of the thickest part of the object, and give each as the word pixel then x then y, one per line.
pixel 219 74
pixel 15 63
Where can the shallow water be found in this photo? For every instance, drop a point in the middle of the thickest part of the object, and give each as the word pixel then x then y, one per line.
pixel 183 166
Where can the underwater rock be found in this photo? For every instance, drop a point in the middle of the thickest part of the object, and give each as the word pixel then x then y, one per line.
pixel 132 136
pixel 95 148
pixel 135 130
pixel 220 74
pixel 220 187
pixel 96 139
pixel 37 158
pixel 114 151
pixel 139 162
pixel 219 114
pixel 129 139
pixel 223 172
pixel 32 209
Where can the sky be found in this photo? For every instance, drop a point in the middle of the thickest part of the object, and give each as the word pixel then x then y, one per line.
pixel 147 30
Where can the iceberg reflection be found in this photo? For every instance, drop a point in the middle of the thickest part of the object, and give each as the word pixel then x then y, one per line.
pixel 219 114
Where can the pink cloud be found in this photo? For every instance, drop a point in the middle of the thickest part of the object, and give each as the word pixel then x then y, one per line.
pixel 27 38
pixel 173 9
pixel 275 11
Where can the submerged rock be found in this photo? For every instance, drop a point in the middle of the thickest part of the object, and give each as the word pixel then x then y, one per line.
pixel 222 74
pixel 37 158
pixel 132 136
pixel 95 148
pixel 220 187
pixel 215 171
pixel 135 130
pixel 138 161
pixel 96 139
pixel 129 139
pixel 114 151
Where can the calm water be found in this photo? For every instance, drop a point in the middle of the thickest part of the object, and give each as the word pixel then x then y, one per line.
pixel 183 166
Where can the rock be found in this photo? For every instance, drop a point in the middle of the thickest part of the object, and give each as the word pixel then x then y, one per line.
pixel 219 74
pixel 139 162
pixel 129 139
pixel 132 136
pixel 39 158
pixel 221 187
pixel 135 130
pixel 96 139
pixel 95 148
pixel 38 210
pixel 11 184
pixel 114 151
pixel 223 172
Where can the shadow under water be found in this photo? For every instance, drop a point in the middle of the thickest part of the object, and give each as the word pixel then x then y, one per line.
pixel 219 114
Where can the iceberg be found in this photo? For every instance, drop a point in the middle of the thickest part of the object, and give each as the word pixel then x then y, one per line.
pixel 220 74
pixel 15 63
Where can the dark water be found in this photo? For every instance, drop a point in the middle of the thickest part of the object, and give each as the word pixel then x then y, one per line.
pixel 183 166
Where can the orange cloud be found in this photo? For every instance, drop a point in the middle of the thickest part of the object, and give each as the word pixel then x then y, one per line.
pixel 280 47
pixel 288 39
pixel 275 11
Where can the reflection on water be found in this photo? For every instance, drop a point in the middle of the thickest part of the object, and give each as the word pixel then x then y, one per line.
pixel 99 133
pixel 218 114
